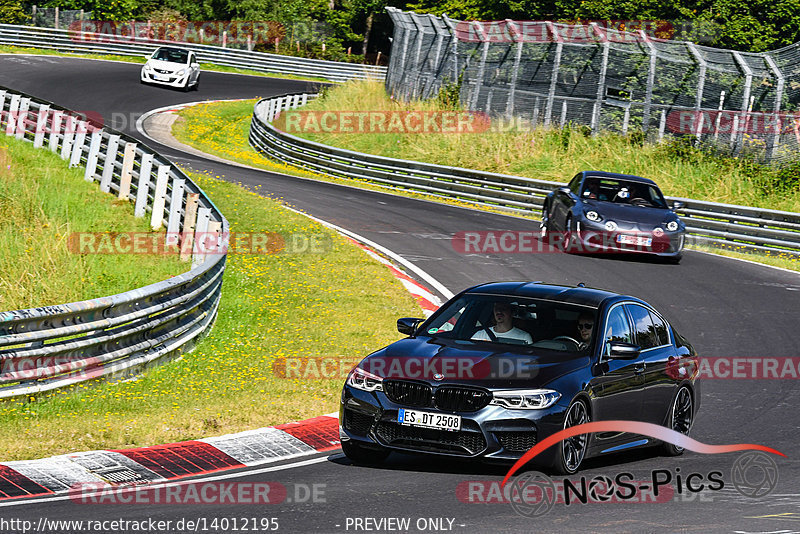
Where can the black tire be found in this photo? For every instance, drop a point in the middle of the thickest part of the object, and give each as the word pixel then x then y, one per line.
pixel 572 451
pixel 196 84
pixel 359 454
pixel 681 417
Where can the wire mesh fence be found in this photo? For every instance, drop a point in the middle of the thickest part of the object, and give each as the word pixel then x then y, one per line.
pixel 554 74
pixel 54 17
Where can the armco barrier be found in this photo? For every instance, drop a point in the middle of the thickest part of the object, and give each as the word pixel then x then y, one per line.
pixel 87 42
pixel 55 346
pixel 707 222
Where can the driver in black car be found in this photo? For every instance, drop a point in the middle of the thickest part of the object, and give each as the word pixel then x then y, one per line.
pixel 585 328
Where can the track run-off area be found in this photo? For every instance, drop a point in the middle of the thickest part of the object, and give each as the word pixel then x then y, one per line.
pixel 726 308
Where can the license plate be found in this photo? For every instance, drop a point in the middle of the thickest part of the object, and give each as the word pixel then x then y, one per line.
pixel 634 240
pixel 161 77
pixel 429 420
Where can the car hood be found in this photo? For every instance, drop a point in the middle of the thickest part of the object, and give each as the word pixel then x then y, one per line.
pixel 644 216
pixel 440 362
pixel 166 65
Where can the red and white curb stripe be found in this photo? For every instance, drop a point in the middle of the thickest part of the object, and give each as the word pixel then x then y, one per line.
pixel 160 463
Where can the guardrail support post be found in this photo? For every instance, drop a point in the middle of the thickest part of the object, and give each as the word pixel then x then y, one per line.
pixel 109 163
pixel 13 115
pixel 69 136
pixel 143 185
pixel 473 101
pixel 77 146
pixel 127 171
pixel 189 223
pixel 200 236
pixel 701 83
pixel 748 84
pixel 215 227
pixel 55 129
pixel 94 152
pixel 160 197
pixel 22 121
pixel 41 125
pixel 175 205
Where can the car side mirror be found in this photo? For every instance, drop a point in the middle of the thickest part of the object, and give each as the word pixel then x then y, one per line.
pixel 624 351
pixel 408 325
pixel 677 204
pixel 564 189
pixel 146 57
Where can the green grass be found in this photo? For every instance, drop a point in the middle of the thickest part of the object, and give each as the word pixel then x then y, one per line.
pixel 43 203
pixel 140 59
pixel 338 304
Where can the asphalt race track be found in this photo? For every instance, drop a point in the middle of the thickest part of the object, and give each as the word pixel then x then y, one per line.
pixel 724 307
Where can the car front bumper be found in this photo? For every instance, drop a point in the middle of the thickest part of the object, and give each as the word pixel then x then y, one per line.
pixel 171 80
pixel 493 432
pixel 594 237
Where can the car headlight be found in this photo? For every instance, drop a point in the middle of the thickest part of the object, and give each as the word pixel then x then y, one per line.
pixel 364 380
pixel 181 72
pixel 593 216
pixel 147 67
pixel 611 226
pixel 672 226
pixel 525 399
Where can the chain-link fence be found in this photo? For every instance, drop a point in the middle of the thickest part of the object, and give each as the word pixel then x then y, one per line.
pixel 53 17
pixel 553 74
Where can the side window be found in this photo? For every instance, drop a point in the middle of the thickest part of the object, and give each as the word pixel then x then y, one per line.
pixel 575 184
pixel 646 336
pixel 617 328
pixel 661 329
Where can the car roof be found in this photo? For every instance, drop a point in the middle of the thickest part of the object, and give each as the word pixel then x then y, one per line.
pixel 584 296
pixel 617 176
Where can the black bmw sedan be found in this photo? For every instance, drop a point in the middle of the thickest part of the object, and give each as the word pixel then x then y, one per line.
pixel 502 366
pixel 607 212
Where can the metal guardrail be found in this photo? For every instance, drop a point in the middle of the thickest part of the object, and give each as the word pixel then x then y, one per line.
pixel 706 222
pixel 88 42
pixel 55 346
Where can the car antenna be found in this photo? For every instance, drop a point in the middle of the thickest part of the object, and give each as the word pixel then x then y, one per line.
pixel 581 284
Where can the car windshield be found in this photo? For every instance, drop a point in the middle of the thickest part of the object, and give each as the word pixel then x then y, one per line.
pixel 509 320
pixel 173 55
pixel 622 192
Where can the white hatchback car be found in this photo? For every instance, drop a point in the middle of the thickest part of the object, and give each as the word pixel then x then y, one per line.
pixel 175 67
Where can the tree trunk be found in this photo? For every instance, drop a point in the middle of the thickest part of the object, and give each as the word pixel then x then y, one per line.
pixel 367 31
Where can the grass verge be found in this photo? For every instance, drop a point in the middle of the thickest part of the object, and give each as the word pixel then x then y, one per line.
pixel 42 203
pixel 335 305
pixel 137 59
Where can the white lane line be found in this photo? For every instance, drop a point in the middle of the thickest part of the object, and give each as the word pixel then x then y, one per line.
pixel 149 487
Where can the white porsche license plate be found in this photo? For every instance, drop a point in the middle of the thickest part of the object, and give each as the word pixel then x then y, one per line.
pixel 634 240
pixel 429 420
